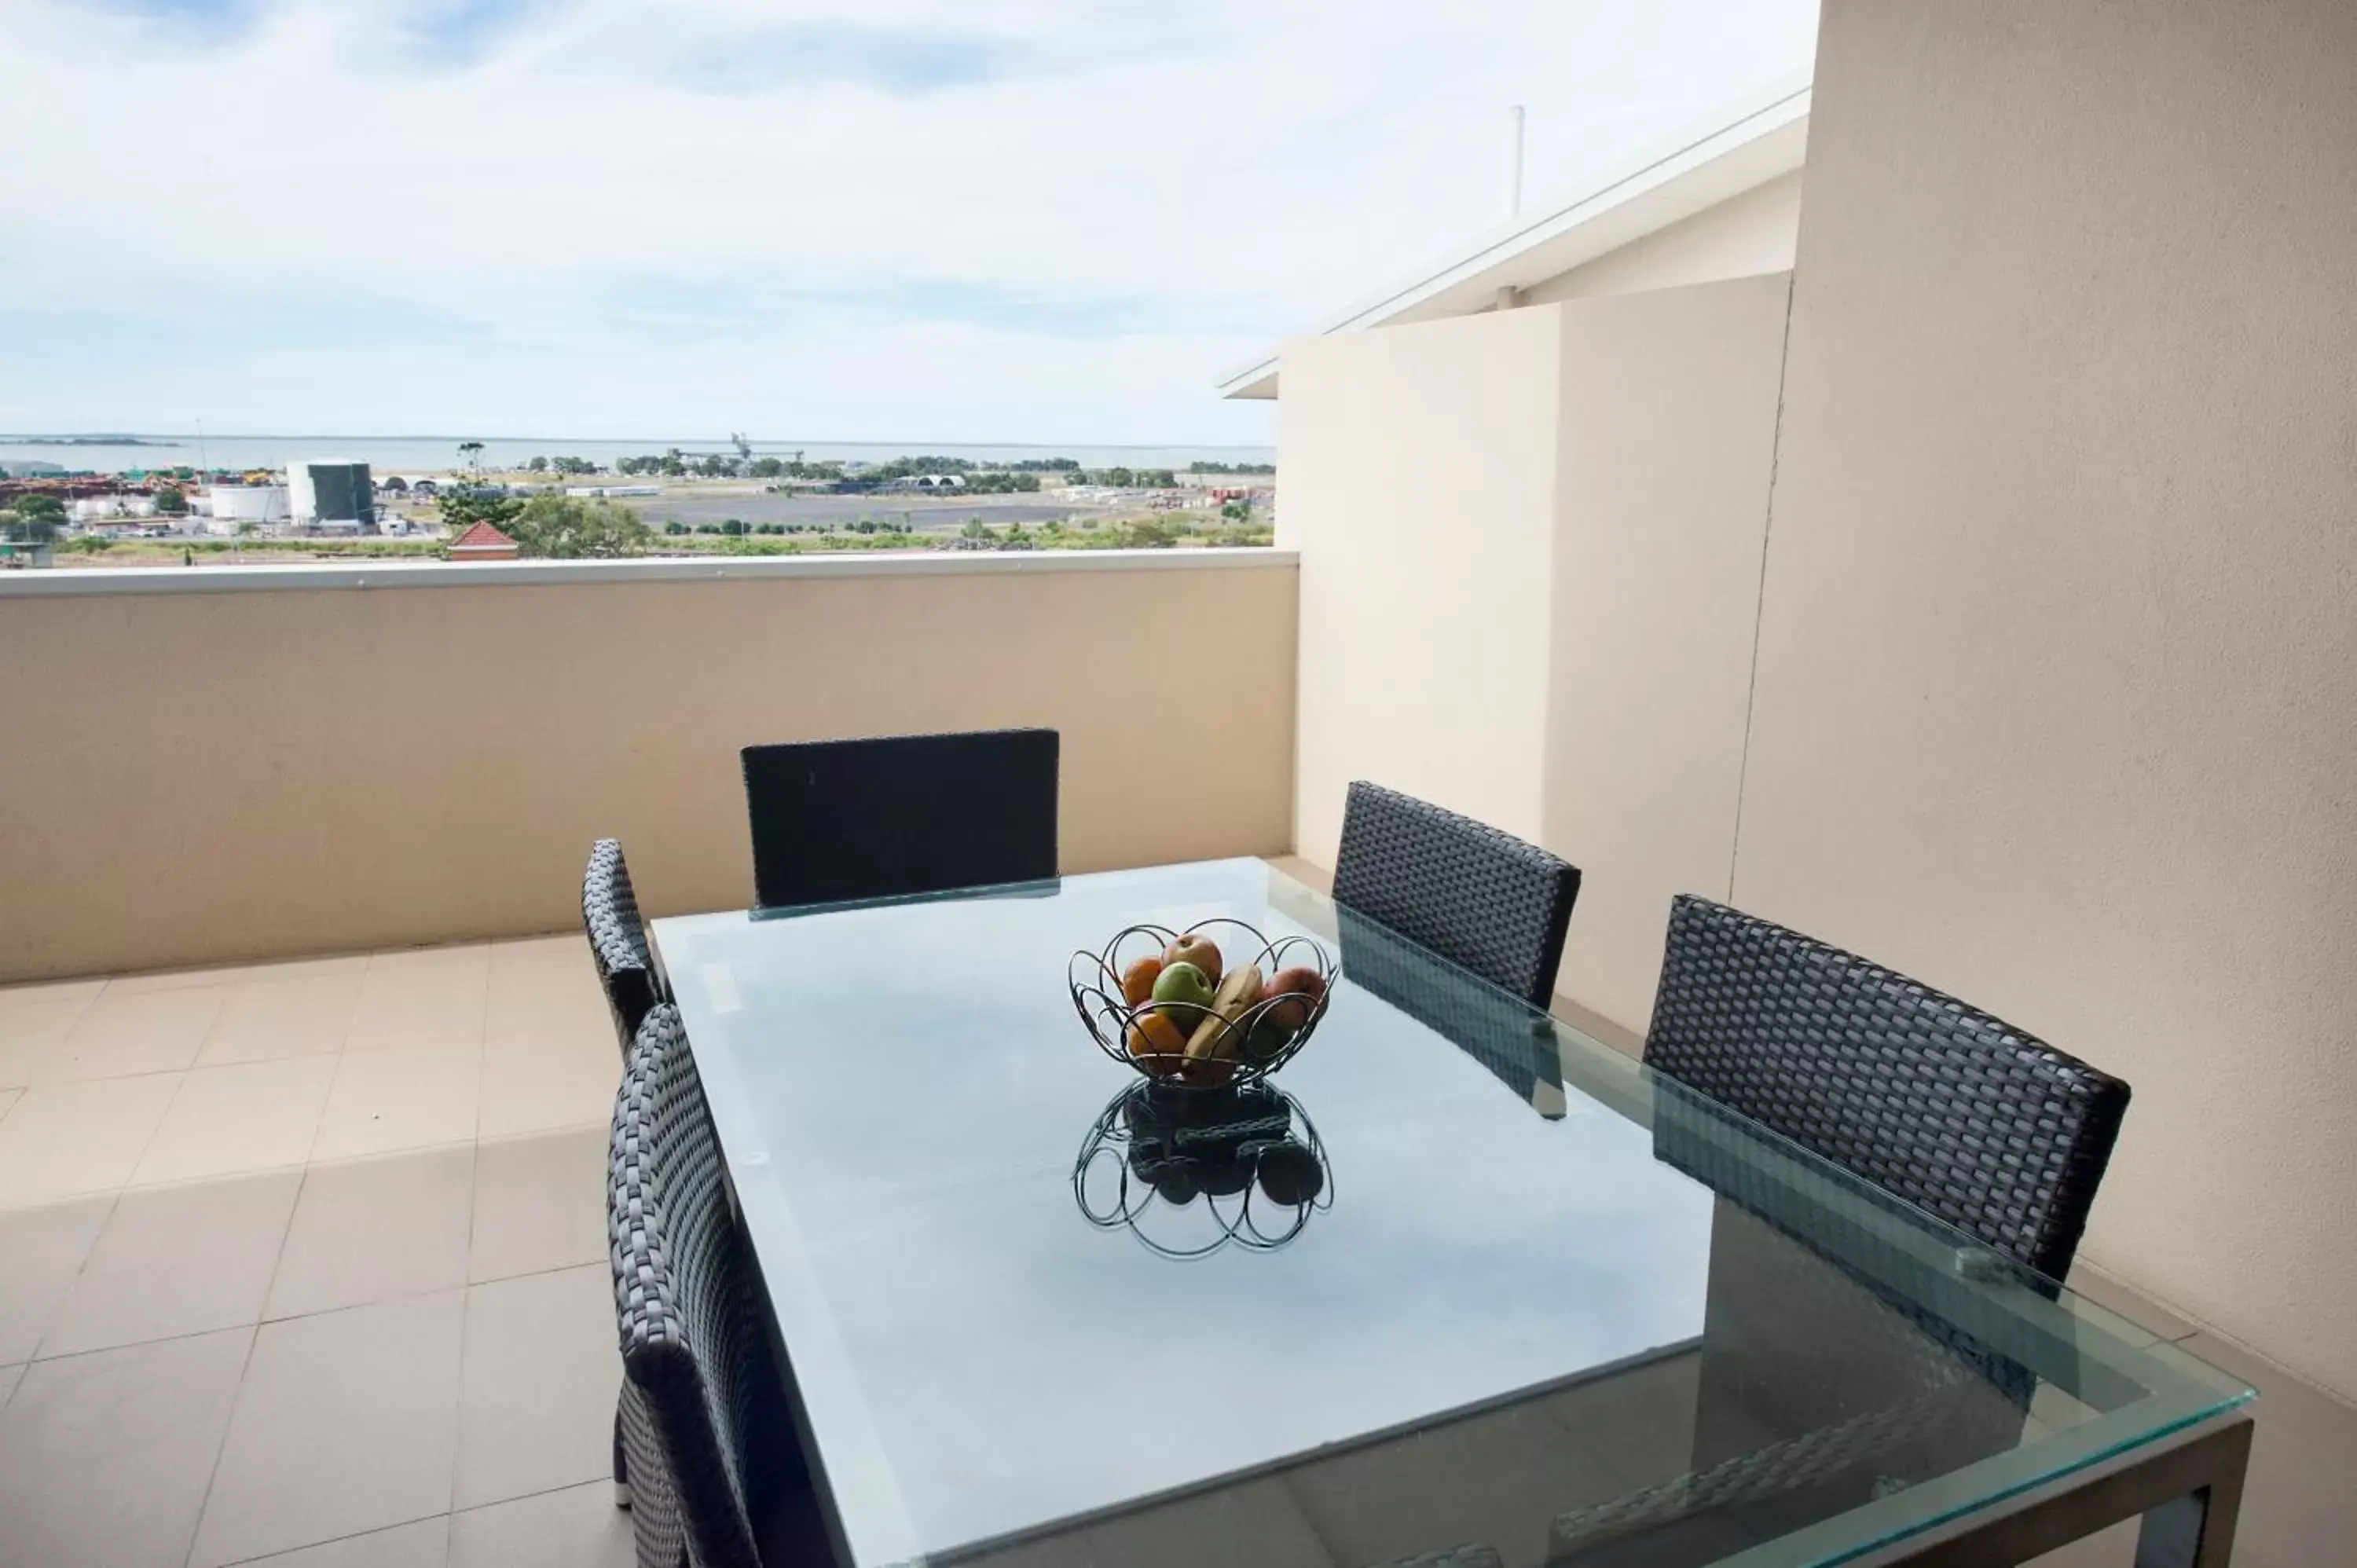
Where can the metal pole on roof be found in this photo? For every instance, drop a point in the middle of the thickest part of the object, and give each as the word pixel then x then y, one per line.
pixel 1514 162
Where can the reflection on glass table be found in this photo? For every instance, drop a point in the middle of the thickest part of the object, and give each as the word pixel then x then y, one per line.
pixel 1189 1172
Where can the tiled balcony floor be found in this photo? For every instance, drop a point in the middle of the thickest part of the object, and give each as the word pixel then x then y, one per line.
pixel 305 1264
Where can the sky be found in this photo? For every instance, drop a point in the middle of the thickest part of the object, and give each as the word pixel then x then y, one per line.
pixel 875 220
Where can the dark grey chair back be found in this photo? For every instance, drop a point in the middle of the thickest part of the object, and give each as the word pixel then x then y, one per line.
pixel 1480 898
pixel 695 1361
pixel 1956 1112
pixel 617 940
pixel 840 820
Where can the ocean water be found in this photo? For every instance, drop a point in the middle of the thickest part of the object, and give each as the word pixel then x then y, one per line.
pixel 437 454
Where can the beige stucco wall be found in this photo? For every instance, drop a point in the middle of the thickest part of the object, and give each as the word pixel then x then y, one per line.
pixel 1744 235
pixel 1668 422
pixel 192 777
pixel 1420 472
pixel 2057 701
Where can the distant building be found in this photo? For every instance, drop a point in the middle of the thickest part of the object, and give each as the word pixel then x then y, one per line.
pixel 483 543
pixel 110 508
pixel 333 495
pixel 230 505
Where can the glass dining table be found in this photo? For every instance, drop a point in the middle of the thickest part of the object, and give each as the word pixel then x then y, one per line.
pixel 1458 1286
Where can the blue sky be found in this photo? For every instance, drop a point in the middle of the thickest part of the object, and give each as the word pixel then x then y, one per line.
pixel 983 220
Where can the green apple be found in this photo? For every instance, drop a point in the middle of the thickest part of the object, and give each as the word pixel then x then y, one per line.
pixel 1183 995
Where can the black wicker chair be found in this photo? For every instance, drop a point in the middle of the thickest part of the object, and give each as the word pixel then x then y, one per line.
pixel 697 1418
pixel 840 820
pixel 617 940
pixel 1953 1110
pixel 1480 898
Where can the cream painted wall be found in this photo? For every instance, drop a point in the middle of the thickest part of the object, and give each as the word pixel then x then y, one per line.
pixel 215 776
pixel 2057 690
pixel 1744 235
pixel 1420 474
pixel 1668 424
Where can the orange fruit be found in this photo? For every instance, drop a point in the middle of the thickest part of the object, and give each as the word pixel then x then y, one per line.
pixel 1157 1045
pixel 1137 979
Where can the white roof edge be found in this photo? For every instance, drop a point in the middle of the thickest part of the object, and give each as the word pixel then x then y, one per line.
pixel 1691 158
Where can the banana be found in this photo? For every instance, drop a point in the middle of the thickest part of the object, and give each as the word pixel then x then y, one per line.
pixel 1216 1039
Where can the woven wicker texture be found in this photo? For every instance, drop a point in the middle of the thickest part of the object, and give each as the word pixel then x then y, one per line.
pixel 618 939
pixel 839 819
pixel 1480 898
pixel 1954 1111
pixel 693 1355
pixel 1494 1029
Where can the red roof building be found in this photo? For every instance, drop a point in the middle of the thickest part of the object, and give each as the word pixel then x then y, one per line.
pixel 483 543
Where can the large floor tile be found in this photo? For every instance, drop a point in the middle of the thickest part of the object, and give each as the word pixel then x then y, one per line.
pixel 545 986
pixel 62 1139
pixel 118 1036
pixel 557 1081
pixel 422 1544
pixel 576 1528
pixel 9 1097
pixel 266 1021
pixel 536 1407
pixel 176 1260
pixel 256 1116
pixel 104 1459
pixel 540 1203
pixel 44 1246
pixel 383 1100
pixel 346 1422
pixel 375 1229
pixel 33 1035
pixel 32 991
pixel 8 1380
pixel 421 998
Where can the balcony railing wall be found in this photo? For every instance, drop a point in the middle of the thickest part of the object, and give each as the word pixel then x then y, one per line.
pixel 220 765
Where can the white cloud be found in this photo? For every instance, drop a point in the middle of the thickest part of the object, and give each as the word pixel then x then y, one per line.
pixel 946 213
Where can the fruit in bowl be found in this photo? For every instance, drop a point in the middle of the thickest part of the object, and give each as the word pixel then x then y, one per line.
pixel 1156 1045
pixel 1181 993
pixel 1137 979
pixel 1301 988
pixel 1198 950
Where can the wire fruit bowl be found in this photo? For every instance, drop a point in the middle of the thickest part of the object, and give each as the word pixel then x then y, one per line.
pixel 1189 1174
pixel 1218 1037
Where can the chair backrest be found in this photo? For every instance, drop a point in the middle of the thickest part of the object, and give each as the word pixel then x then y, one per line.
pixel 1480 898
pixel 840 820
pixel 1941 1105
pixel 617 940
pixel 693 1350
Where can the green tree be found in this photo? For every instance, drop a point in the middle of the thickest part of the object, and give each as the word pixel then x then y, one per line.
pixel 766 468
pixel 573 527
pixel 463 506
pixel 1237 512
pixel 171 502
pixel 674 464
pixel 471 454
pixel 1120 479
pixel 539 464
pixel 36 519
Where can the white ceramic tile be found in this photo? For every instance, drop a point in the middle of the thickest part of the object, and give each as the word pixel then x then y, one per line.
pixel 265 1021
pixel 578 1527
pixel 550 1083
pixel 225 1120
pixel 104 1459
pixel 540 1203
pixel 421 998
pixel 376 1228
pixel 8 1380
pixel 40 991
pixel 383 1100
pixel 343 968
pixel 536 1406
pixel 195 977
pixel 119 1036
pixel 61 1138
pixel 44 1246
pixel 346 1422
pixel 176 1260
pixel 545 986
pixel 8 1097
pixel 32 1037
pixel 422 1544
